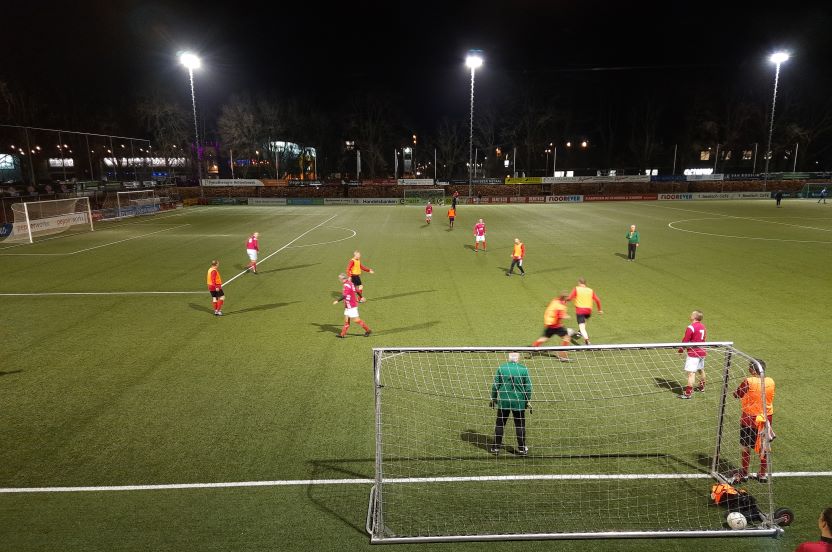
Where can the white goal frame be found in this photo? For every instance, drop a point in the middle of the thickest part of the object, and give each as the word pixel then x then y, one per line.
pixel 28 221
pixel 380 534
pixel 122 209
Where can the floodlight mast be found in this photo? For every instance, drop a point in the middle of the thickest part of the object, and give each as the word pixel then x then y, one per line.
pixel 776 58
pixel 473 61
pixel 191 62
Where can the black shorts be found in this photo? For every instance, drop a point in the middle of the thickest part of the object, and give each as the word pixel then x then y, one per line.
pixel 217 293
pixel 451 219
pixel 748 436
pixel 581 318
pixel 356 279
pixel 549 332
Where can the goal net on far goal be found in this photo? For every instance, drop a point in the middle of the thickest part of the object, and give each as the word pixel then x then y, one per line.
pixel 420 196
pixel 36 219
pixel 611 451
pixel 137 202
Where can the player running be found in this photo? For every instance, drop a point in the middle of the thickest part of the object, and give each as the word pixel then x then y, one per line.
pixel 518 251
pixel 584 297
pixel 354 268
pixel 553 318
pixel 451 216
pixel 215 287
pixel 479 236
pixel 428 212
pixel 695 362
pixel 252 249
pixel 349 295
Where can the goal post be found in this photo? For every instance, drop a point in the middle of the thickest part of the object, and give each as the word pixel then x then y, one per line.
pixel 420 196
pixel 612 452
pixel 137 202
pixel 812 190
pixel 35 219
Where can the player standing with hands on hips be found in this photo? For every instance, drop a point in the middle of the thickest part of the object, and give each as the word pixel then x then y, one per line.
pixel 252 249
pixel 695 361
pixel 632 242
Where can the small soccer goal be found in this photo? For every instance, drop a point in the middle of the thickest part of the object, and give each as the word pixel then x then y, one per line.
pixel 37 219
pixel 610 451
pixel 812 191
pixel 137 202
pixel 420 196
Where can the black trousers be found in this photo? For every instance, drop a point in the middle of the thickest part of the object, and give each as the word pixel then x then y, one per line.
pixel 519 426
pixel 631 251
pixel 518 263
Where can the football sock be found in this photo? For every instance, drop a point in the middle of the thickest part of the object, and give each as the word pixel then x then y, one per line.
pixel 688 390
pixel 763 467
pixel 219 304
pixel 363 325
pixel 538 343
pixel 214 304
pixel 345 328
pixel 746 458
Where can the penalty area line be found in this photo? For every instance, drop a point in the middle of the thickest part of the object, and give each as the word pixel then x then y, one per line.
pixel 281 249
pixel 401 480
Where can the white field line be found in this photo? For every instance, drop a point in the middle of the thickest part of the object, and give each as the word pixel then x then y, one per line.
pixel 366 481
pixel 72 293
pixel 281 249
pixel 671 225
pixel 94 247
pixel 721 215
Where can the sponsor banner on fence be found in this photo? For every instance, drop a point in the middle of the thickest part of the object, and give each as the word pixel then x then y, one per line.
pixel 701 177
pixel 753 195
pixel 415 182
pixel 304 201
pixel 564 199
pixel 621 197
pixel 596 179
pixel 675 197
pixel 62 221
pixel 228 201
pixel 366 201
pixel 267 201
pixel 231 182
pixel 380 181
pixel 525 180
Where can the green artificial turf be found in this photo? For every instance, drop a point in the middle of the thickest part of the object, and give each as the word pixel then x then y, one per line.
pixel 153 389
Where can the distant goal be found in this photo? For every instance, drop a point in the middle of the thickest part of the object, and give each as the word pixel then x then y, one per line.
pixel 420 196
pixel 612 452
pixel 137 203
pixel 37 219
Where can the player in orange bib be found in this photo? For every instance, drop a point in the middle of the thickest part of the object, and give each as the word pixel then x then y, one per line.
pixel 451 216
pixel 553 318
pixel 354 269
pixel 518 251
pixel 755 420
pixel 584 297
pixel 215 287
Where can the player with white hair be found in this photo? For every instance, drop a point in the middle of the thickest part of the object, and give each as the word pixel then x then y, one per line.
pixel 511 394
pixel 349 296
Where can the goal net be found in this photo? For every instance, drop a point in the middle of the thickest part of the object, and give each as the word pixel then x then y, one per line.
pixel 813 190
pixel 137 202
pixel 36 219
pixel 420 196
pixel 611 452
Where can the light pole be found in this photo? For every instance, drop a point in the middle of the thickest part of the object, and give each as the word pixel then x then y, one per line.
pixel 776 58
pixel 191 61
pixel 473 61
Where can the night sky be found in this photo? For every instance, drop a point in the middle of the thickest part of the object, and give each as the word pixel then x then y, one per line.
pixel 102 55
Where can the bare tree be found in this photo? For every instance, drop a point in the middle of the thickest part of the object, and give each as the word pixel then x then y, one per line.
pixel 168 125
pixel 451 147
pixel 371 124
pixel 644 121
pixel 240 127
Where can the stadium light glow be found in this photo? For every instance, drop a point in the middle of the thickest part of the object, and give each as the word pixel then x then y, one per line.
pixel 473 61
pixel 190 60
pixel 779 57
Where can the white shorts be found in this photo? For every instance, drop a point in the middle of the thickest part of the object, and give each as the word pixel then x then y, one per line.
pixel 428 216
pixel 694 364
pixel 480 238
pixel 352 313
pixel 252 254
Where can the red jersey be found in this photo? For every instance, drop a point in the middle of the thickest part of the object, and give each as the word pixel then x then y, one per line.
pixel 479 229
pixel 252 243
pixel 428 209
pixel 823 545
pixel 350 295
pixel 695 333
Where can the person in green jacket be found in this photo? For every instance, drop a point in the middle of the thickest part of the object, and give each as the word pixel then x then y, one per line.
pixel 632 243
pixel 511 394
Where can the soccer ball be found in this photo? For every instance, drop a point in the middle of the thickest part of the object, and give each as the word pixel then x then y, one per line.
pixel 736 520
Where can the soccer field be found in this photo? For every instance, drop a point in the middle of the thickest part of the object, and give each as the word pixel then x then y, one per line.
pixel 115 372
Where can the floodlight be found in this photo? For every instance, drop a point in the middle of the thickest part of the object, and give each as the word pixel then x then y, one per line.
pixel 189 60
pixel 779 57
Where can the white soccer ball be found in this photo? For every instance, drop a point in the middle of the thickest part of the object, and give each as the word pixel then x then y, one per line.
pixel 736 520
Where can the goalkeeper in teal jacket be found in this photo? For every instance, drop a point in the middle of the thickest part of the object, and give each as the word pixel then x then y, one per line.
pixel 511 394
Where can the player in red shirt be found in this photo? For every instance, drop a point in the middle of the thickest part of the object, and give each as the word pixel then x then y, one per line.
pixel 695 361
pixel 349 295
pixel 479 236
pixel 825 542
pixel 252 249
pixel 354 269
pixel 428 212
pixel 215 287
